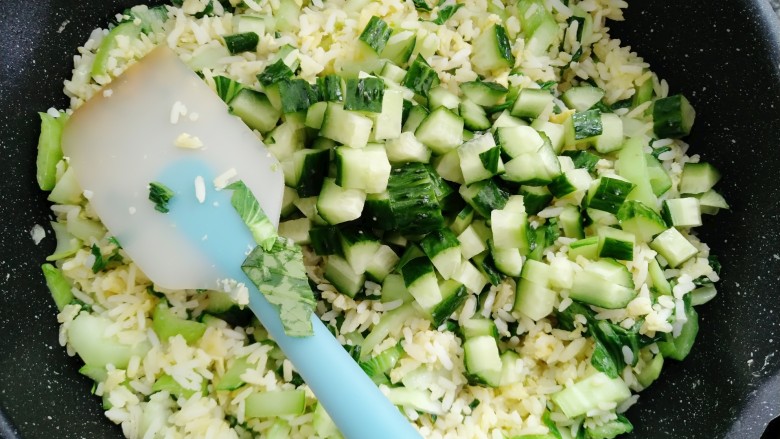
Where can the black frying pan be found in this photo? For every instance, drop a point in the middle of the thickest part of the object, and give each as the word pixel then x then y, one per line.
pixel 723 54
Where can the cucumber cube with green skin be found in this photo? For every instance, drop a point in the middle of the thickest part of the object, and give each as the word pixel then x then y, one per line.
pixel 605 283
pixel 337 205
pixel 534 300
pixel 660 181
pixel 531 102
pixel 608 193
pixel 570 220
pixel 166 324
pixel 698 178
pixel 682 212
pixel 587 248
pixel 535 198
pixel 582 98
pixel 711 202
pixel 589 393
pixel 420 279
pixel 381 264
pixel 443 249
pixel 341 274
pixel 486 94
pixel 492 50
pixel 347 127
pixel 674 247
pixel 275 403
pixel 673 117
pixel 635 217
pixel 617 244
pixel 441 130
pixel 482 360
pixel 453 295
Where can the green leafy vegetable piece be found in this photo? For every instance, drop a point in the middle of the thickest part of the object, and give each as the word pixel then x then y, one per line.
pixel 446 12
pixel 280 274
pixel 276 72
pixel 421 5
pixel 245 203
pixel 160 195
pixel 100 262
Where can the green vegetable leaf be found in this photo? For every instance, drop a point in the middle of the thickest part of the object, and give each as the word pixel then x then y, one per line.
pixel 280 275
pixel 421 5
pixel 274 73
pixel 160 195
pixel 245 203
pixel 100 262
pixel 446 12
pixel 603 361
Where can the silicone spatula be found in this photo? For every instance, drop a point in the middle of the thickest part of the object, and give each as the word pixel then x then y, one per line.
pixel 126 137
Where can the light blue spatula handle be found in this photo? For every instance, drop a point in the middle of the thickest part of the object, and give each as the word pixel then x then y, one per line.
pixel 353 401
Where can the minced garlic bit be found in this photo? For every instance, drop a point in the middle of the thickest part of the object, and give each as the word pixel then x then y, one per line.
pixel 200 189
pixel 188 141
pixel 88 194
pixel 107 93
pixel 223 179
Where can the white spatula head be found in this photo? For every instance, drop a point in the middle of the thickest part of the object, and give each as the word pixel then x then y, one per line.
pixel 159 122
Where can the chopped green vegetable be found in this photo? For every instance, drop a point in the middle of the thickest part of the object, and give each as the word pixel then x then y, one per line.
pixel 446 13
pixel 297 95
pixel 160 195
pixel 227 88
pixel 276 72
pixel 49 150
pixel 100 262
pixel 375 34
pixel 364 94
pixel 421 5
pixel 280 275
pixel 245 203
pixel 58 284
pixel 420 77
pixel 243 42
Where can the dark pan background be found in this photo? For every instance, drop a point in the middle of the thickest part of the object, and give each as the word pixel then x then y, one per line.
pixel 723 54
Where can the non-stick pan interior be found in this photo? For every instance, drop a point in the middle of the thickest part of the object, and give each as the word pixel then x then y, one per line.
pixel 723 54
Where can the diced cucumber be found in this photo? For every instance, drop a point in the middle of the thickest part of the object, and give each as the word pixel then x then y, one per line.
pixel 381 263
pixel 67 189
pixel 394 288
pixel 643 222
pixel 87 334
pixel 571 183
pixel 241 42
pixel 468 275
pixel 486 94
pixel 420 77
pixel 49 150
pixel 510 230
pixel 476 162
pixel 674 247
pixel 315 114
pixel 617 244
pixel 416 115
pixel 711 202
pixel 531 102
pixel 417 399
pixel 482 360
pixel 673 117
pixel 453 294
pixel 375 34
pixel 590 393
pixel 406 148
pixel 346 127
pixel 632 166
pixel 340 273
pixel 166 324
pixel 255 109
pixel 441 130
pixel 474 116
pixel 275 403
pixel 448 167
pixel 605 283
pixel 570 220
pixel 608 193
pixel 532 299
pixel 492 50
pixel 443 249
pixel 420 279
pixel 682 212
pixel 337 205
pixel 582 98
pixel 698 178
pixel 471 243
pixel 441 97
pixel 611 137
pixel 359 247
pixel 399 47
pixel 387 123
pixel 296 230
pixel 659 178
pixel 366 169
pixel 484 196
pixel 231 379
pixel 59 285
pixel 507 260
pixel 678 347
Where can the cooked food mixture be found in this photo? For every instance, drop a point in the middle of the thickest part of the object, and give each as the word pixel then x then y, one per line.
pixel 493 202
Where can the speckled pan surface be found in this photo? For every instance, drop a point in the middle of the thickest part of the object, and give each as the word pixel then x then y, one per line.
pixel 723 54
